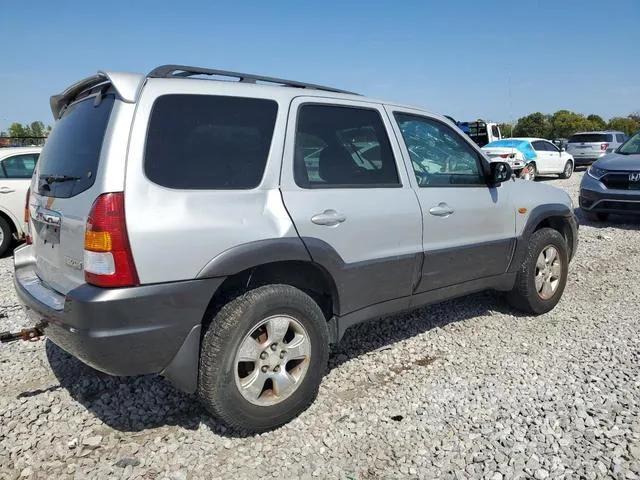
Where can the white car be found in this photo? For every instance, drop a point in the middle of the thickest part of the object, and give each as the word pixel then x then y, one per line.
pixel 532 156
pixel 16 169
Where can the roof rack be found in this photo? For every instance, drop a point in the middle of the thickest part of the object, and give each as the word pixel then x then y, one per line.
pixel 182 71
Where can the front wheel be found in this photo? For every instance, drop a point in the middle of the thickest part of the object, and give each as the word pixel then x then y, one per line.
pixel 568 170
pixel 543 274
pixel 263 357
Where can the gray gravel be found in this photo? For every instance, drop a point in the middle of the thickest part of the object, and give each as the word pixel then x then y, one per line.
pixel 466 389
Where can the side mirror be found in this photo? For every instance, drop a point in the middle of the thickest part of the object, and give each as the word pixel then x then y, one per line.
pixel 562 149
pixel 499 172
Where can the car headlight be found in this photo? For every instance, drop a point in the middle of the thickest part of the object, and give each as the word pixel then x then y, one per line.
pixel 596 172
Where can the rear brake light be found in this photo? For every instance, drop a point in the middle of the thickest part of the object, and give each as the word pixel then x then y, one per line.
pixel 108 261
pixel 604 146
pixel 27 228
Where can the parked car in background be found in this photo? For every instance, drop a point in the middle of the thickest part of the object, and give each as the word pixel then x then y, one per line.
pixel 16 168
pixel 481 132
pixel 307 210
pixel 587 147
pixel 612 183
pixel 531 156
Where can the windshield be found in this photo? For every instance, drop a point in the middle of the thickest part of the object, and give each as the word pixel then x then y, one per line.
pixel 69 159
pixel 631 146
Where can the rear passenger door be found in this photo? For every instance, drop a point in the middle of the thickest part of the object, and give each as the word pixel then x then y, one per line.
pixel 544 160
pixel 351 200
pixel 469 227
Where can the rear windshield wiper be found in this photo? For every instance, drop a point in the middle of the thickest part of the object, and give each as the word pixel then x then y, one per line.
pixel 49 179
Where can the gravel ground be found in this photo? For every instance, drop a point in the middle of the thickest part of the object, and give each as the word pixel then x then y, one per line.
pixel 465 389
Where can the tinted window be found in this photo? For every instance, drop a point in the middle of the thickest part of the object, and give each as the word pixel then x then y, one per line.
pixel 620 138
pixel 73 147
pixel 539 146
pixel 19 166
pixel 439 156
pixel 550 147
pixel 209 142
pixel 590 138
pixel 342 147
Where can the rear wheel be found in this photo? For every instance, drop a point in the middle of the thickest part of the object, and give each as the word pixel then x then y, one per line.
pixel 5 236
pixel 543 274
pixel 263 357
pixel 533 171
pixel 568 170
pixel 596 216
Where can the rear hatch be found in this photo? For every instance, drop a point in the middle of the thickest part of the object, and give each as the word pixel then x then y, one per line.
pixel 64 187
pixel 589 145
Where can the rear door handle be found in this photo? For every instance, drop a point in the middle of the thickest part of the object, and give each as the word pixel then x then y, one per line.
pixel 328 218
pixel 6 190
pixel 441 210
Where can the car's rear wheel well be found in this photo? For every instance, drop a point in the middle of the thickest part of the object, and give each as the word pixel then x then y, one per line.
pixel 306 276
pixel 562 225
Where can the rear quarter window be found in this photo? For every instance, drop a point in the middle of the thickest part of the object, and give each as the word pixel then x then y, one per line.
pixel 206 142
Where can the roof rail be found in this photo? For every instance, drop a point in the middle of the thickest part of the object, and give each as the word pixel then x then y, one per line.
pixel 181 71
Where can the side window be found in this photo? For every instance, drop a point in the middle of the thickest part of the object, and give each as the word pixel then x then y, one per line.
pixel 19 166
pixel 208 142
pixel 609 137
pixel 342 147
pixel 539 146
pixel 439 155
pixel 620 138
pixel 494 131
pixel 551 147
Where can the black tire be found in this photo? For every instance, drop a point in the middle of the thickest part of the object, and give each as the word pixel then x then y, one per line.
pixel 7 236
pixel 524 295
pixel 596 216
pixel 568 170
pixel 217 387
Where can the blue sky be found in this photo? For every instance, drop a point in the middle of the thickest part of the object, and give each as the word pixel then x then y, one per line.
pixel 491 59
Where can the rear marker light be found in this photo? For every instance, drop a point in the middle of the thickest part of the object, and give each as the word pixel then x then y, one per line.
pixel 27 228
pixel 108 261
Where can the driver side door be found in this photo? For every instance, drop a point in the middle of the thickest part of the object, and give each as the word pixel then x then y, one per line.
pixel 468 227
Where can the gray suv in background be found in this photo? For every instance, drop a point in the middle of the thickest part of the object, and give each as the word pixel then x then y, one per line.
pixel 587 147
pixel 224 233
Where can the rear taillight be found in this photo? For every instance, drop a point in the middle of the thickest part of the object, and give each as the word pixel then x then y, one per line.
pixel 27 228
pixel 604 146
pixel 108 261
pixel 504 155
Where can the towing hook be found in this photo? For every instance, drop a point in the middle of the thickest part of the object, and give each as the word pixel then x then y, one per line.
pixel 27 334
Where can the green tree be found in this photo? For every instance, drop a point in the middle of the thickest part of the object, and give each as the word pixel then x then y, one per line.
pixel 625 124
pixel 37 129
pixel 597 122
pixel 533 125
pixel 17 130
pixel 506 130
pixel 565 123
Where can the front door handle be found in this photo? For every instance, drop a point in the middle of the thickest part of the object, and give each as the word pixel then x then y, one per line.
pixel 328 218
pixel 6 190
pixel 441 210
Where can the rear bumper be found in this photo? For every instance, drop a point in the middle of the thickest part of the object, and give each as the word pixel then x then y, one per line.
pixel 587 159
pixel 129 331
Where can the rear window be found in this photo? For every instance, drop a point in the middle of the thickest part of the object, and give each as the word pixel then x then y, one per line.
pixel 72 152
pixel 591 138
pixel 204 142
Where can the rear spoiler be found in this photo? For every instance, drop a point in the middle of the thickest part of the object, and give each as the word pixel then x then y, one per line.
pixel 127 86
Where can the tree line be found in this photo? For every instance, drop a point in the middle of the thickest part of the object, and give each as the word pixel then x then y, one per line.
pixel 565 123
pixel 33 129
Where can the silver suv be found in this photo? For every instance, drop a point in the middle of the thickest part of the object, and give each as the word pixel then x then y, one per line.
pixel 587 147
pixel 225 233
